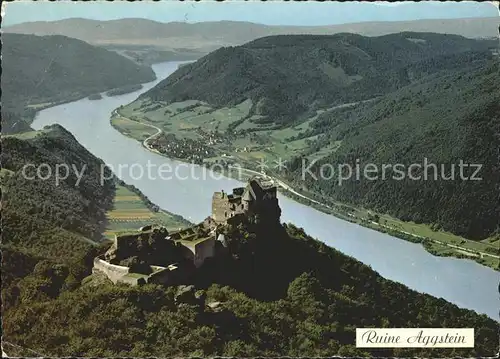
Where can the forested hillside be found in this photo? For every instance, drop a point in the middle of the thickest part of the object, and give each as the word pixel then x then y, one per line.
pixel 277 292
pixel 288 77
pixel 40 70
pixel 48 227
pixel 52 226
pixel 452 118
pixel 45 217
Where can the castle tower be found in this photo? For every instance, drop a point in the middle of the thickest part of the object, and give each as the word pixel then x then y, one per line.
pixel 219 207
pixel 246 200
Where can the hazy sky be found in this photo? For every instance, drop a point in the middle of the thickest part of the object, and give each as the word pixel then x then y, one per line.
pixel 270 12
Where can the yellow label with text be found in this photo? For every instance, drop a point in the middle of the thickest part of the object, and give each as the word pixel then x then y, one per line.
pixel 415 337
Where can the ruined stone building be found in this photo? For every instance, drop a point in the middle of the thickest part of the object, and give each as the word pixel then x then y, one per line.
pixel 164 258
pixel 258 197
pixel 153 255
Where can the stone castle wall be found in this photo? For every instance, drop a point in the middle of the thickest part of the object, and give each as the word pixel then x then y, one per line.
pixel 112 271
pixel 220 208
pixel 120 274
pixel 202 250
pixel 160 276
pixel 232 208
pixel 126 245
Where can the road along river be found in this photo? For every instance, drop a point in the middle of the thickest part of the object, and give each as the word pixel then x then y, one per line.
pixel 187 189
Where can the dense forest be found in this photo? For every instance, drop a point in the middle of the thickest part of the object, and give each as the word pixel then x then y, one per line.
pixel 48 69
pixel 49 218
pixel 446 119
pixel 276 292
pixel 50 227
pixel 289 76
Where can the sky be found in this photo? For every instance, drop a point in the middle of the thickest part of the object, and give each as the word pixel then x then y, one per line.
pixel 269 12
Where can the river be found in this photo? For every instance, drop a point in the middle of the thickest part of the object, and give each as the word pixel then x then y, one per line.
pixel 189 192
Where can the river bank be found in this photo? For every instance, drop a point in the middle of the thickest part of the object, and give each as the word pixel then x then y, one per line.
pixel 462 282
pixel 31 111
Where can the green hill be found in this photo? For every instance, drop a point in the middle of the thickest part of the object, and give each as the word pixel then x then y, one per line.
pixel 60 219
pixel 48 218
pixel 446 120
pixel 49 226
pixel 42 70
pixel 209 35
pixel 289 76
pixel 55 225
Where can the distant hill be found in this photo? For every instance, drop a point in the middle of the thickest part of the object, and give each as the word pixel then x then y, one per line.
pixel 286 76
pixel 147 42
pixel 208 36
pixel 40 70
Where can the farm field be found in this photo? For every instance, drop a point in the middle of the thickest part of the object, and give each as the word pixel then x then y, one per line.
pixel 130 213
pixel 489 245
pixel 181 118
pixel 26 135
pixel 131 128
pixel 39 105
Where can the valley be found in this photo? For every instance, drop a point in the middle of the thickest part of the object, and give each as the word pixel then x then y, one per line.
pixel 190 193
pixel 250 135
pixel 59 289
pixel 212 186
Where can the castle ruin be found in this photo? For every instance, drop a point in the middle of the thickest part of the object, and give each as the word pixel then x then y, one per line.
pixel 153 255
pixel 258 197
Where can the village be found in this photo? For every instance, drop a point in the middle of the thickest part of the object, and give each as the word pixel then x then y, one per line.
pixel 185 148
pixel 153 255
